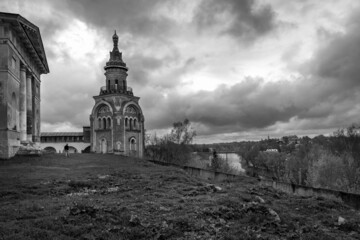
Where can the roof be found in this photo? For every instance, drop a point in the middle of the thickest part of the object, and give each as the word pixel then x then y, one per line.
pixel 30 34
pixel 62 134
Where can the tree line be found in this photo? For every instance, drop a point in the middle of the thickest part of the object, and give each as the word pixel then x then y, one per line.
pixel 328 162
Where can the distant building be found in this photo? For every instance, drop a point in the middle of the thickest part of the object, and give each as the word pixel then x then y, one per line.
pixel 116 120
pixel 22 61
pixel 54 142
pixel 271 150
pixel 290 139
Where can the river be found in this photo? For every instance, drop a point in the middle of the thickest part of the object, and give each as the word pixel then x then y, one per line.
pixel 233 159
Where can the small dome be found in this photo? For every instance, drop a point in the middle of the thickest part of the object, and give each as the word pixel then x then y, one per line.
pixel 115 40
pixel 115 60
pixel 115 36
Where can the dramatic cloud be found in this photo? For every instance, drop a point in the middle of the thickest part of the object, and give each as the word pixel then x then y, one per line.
pixel 136 17
pixel 326 97
pixel 340 57
pixel 320 99
pixel 250 104
pixel 237 69
pixel 241 19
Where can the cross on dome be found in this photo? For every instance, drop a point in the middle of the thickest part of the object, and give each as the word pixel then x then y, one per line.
pixel 115 40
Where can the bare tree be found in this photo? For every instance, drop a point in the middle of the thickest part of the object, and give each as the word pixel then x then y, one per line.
pixel 182 132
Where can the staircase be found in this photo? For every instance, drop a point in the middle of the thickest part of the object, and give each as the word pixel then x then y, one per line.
pixel 29 149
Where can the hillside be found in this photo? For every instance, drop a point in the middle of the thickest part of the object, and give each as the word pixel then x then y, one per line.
pixel 91 196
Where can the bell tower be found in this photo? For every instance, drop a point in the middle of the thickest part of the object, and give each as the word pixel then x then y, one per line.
pixel 116 121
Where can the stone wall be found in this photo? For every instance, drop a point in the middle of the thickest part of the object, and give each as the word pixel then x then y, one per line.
pixel 9 143
pixel 200 173
pixel 350 199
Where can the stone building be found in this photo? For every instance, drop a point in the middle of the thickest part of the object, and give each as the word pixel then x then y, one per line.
pixel 22 61
pixel 116 120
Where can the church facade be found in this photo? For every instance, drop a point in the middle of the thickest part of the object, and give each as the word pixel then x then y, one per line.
pixel 22 61
pixel 116 120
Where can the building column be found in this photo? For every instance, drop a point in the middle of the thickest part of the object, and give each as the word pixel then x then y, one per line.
pixel 29 115
pixel 22 103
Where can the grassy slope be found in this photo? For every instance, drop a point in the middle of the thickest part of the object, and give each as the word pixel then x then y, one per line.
pixel 93 196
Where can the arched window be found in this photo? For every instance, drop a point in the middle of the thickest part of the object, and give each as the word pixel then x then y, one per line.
pixel 118 145
pixel 126 122
pixel 135 126
pixel 109 123
pixel 130 123
pixel 99 123
pixel 104 123
pixel 116 84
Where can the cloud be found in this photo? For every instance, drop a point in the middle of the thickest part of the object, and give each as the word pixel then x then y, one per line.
pixel 249 104
pixel 326 96
pixel 169 49
pixel 245 20
pixel 135 17
pixel 49 21
pixel 68 97
pixel 339 58
pixel 155 70
pixel 256 105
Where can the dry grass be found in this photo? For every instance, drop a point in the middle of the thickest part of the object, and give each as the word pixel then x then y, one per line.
pixel 92 196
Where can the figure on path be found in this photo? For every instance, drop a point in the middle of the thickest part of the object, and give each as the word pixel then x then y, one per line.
pixel 66 150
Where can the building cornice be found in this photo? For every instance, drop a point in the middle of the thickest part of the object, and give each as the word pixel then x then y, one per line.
pixel 30 36
pixel 19 54
pixel 110 95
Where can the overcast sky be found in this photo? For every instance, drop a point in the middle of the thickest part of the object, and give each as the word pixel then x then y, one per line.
pixel 238 69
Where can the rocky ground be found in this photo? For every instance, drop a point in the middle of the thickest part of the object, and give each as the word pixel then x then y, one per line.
pixel 93 196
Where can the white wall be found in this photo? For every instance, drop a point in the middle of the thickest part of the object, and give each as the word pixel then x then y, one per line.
pixel 59 146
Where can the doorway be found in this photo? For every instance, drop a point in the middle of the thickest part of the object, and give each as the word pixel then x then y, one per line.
pixel 103 146
pixel 133 152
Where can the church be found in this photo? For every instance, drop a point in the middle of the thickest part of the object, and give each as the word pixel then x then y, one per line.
pixel 116 120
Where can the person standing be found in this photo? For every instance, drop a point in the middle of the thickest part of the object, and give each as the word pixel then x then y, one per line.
pixel 66 150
